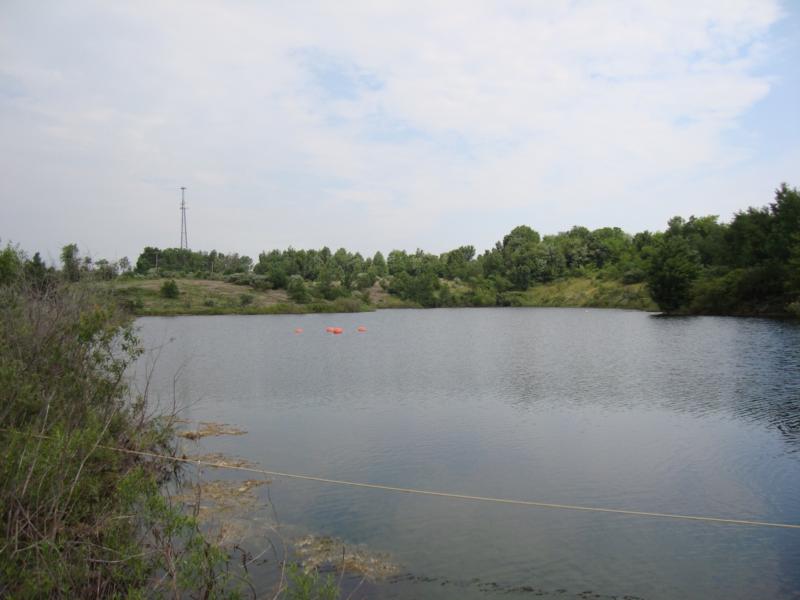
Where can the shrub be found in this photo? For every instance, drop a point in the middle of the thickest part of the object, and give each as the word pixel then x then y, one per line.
pixel 245 299
pixel 347 305
pixel 169 289
pixel 633 276
pixel 297 290
pixel 77 518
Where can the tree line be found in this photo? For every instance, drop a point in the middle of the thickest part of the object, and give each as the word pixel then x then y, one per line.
pixel 698 265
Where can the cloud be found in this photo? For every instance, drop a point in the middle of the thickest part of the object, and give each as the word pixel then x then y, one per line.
pixel 368 125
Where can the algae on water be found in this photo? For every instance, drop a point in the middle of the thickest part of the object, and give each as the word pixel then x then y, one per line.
pixel 206 429
pixel 317 553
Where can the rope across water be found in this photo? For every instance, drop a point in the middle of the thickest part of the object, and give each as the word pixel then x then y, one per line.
pixel 390 488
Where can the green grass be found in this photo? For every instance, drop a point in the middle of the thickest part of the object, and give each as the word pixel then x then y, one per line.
pixel 209 297
pixel 585 292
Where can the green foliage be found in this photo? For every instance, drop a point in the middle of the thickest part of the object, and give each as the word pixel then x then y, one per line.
pixel 78 519
pixel 245 299
pixel 70 262
pixel 11 264
pixel 689 267
pixel 169 289
pixel 297 290
pixel 673 269
pixel 310 586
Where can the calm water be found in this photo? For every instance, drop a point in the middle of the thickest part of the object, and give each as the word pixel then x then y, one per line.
pixel 604 408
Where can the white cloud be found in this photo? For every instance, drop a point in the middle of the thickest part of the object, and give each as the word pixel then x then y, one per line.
pixel 367 125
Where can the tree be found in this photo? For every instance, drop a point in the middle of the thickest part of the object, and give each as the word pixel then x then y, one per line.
pixel 379 263
pixel 70 262
pixel 147 260
pixel 673 269
pixel 36 272
pixel 11 261
pixel 297 290
pixel 456 262
pixel 397 262
pixel 786 222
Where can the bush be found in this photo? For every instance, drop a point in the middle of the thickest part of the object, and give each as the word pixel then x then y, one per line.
pixel 239 278
pixel 77 518
pixel 245 299
pixel 633 276
pixel 260 283
pixel 169 289
pixel 347 305
pixel 297 290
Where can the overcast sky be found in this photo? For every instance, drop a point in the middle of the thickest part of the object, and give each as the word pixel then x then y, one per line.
pixel 377 125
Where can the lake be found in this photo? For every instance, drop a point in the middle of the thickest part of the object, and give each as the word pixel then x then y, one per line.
pixel 600 408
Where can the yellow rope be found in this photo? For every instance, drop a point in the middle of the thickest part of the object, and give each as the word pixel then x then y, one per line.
pixel 390 488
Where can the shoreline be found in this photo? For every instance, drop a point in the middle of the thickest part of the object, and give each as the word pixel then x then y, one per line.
pixel 200 297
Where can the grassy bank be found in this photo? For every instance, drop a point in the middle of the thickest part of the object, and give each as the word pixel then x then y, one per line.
pixel 211 297
pixel 584 292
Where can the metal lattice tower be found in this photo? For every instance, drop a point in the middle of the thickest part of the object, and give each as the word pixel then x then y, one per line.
pixel 184 235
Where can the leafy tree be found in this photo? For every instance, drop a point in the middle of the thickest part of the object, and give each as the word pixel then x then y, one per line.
pixel 748 237
pixel 11 264
pixel 380 264
pixel 786 223
pixel 457 262
pixel 70 262
pixel 147 260
pixel 105 270
pixel 397 262
pixel 297 290
pixel 674 266
pixel 36 272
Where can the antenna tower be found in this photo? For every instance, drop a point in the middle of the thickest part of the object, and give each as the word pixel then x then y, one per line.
pixel 184 236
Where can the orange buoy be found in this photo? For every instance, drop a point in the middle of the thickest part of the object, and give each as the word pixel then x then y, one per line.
pixel 337 330
pixel 361 329
pixel 298 330
pixel 329 329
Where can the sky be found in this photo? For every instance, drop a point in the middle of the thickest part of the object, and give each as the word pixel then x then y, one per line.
pixel 383 125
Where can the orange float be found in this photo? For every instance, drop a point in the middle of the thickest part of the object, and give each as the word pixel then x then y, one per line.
pixel 361 329
pixel 329 329
pixel 337 330
pixel 298 330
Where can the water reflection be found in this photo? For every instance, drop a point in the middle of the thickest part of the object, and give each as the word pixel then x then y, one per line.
pixel 606 408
